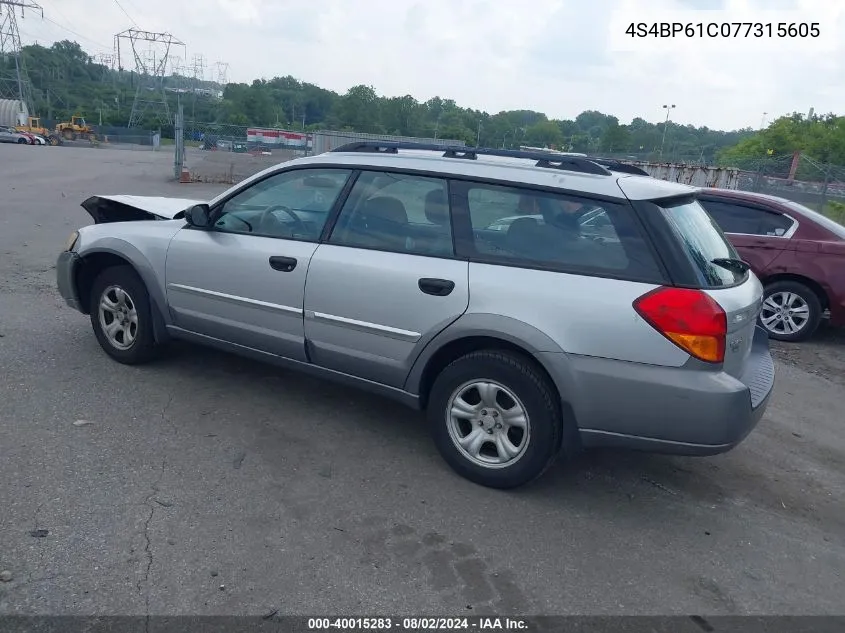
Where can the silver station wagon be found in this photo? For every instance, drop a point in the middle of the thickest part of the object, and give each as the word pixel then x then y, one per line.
pixel 532 304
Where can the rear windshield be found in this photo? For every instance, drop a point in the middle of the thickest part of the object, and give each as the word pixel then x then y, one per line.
pixel 703 242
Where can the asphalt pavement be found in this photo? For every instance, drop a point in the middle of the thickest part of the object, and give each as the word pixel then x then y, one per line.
pixel 206 484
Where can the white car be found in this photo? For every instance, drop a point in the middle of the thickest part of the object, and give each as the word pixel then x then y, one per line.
pixel 10 135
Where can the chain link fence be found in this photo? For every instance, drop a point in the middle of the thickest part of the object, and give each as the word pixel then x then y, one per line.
pixel 800 178
pixel 676 157
pixel 226 153
pixel 130 138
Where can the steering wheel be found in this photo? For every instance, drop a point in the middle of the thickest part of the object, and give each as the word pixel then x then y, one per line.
pixel 267 214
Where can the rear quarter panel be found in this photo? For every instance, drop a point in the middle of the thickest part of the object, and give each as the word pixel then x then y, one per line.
pixel 741 304
pixel 580 315
pixel 821 262
pixel 759 252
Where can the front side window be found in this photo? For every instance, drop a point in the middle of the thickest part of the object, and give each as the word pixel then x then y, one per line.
pixel 517 226
pixel 396 212
pixel 293 204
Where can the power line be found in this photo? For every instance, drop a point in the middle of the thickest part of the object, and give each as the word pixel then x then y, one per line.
pixel 72 32
pixel 63 16
pixel 120 6
pixel 132 5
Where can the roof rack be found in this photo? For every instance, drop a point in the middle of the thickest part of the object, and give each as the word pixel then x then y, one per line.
pixel 544 159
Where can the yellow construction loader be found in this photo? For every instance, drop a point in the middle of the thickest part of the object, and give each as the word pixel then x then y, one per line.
pixel 75 129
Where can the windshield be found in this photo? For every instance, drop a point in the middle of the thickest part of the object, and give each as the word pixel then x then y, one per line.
pixel 822 220
pixel 704 243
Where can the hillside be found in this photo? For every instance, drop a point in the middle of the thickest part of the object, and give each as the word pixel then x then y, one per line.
pixel 66 81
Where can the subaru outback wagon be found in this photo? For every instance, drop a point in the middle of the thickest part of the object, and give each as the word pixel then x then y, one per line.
pixel 387 266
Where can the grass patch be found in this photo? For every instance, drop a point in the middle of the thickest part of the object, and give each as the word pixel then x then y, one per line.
pixel 835 211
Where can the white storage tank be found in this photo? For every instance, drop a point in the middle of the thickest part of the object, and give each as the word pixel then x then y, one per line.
pixel 13 112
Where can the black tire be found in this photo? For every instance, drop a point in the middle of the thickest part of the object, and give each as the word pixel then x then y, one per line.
pixel 143 347
pixel 531 388
pixel 22 141
pixel 808 297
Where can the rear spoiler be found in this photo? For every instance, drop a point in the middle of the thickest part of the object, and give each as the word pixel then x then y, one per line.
pixel 622 168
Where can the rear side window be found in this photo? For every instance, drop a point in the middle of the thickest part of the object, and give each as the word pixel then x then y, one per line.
pixel 537 229
pixel 703 243
pixel 400 213
pixel 740 219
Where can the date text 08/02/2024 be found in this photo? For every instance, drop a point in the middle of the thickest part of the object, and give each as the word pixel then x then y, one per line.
pixel 780 30
pixel 461 623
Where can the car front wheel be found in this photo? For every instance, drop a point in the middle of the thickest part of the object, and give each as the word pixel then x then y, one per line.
pixel 121 315
pixel 495 419
pixel 791 311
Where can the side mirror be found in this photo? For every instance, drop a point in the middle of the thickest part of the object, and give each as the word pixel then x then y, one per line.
pixel 199 216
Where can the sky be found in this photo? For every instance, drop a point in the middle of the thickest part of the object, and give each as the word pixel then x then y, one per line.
pixel 560 57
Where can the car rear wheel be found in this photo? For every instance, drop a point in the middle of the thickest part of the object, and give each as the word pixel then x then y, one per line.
pixel 121 315
pixel 22 141
pixel 791 311
pixel 495 419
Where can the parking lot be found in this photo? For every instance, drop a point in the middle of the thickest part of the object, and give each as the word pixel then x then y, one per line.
pixel 206 484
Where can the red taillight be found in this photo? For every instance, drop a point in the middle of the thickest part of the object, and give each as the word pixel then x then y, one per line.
pixel 689 318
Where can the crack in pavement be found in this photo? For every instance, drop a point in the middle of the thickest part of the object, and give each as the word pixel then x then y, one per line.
pixel 148 549
pixel 40 545
pixel 164 417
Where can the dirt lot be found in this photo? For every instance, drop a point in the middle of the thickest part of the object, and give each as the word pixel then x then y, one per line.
pixel 206 484
pixel 229 167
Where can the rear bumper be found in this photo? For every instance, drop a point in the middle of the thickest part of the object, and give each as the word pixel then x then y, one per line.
pixel 66 267
pixel 681 411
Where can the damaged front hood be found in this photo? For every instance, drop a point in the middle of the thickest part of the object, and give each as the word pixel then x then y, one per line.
pixel 121 208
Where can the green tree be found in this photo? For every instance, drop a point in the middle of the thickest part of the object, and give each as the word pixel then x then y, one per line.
pixel 615 138
pixel 67 81
pixel 544 134
pixel 822 137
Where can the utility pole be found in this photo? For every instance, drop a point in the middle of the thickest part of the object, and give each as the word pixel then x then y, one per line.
pixel 668 109
pixel 478 136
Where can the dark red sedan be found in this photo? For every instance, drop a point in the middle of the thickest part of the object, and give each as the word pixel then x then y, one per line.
pixel 798 254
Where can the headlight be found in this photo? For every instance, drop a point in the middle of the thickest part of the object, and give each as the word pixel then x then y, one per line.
pixel 71 241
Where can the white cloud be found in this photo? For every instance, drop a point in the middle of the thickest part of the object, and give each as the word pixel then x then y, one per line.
pixel 549 55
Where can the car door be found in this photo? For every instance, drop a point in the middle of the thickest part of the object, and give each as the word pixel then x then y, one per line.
pixel 387 279
pixel 243 281
pixel 759 235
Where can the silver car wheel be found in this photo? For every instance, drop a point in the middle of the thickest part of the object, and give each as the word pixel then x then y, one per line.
pixel 785 313
pixel 118 317
pixel 488 424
